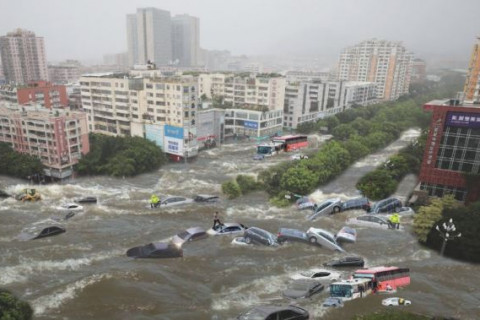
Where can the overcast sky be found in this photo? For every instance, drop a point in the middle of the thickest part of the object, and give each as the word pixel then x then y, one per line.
pixel 88 29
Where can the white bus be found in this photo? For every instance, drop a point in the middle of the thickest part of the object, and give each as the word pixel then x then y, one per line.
pixel 351 289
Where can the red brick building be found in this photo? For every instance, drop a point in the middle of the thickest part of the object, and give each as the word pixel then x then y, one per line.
pixel 38 92
pixel 452 149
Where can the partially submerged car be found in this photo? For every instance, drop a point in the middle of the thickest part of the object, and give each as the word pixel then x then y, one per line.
pixel 174 201
pixel 317 274
pixel 88 199
pixel 70 207
pixel 346 234
pixel 405 211
pixel 388 205
pixel 323 238
pixel 258 156
pixel 155 250
pixel 227 228
pixel 38 232
pixel 191 234
pixel 28 195
pixel 287 234
pixel 206 198
pixel 348 261
pixel 333 302
pixel 259 236
pixel 303 288
pixel 370 220
pixel 327 207
pixel 396 301
pixel 299 156
pixel 269 312
pixel 357 203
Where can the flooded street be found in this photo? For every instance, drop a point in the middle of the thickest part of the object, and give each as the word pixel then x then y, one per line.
pixel 85 274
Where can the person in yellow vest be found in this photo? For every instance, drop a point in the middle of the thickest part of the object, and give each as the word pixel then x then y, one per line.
pixel 154 201
pixel 395 221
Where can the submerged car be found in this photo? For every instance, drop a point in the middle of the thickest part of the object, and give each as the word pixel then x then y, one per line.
pixel 287 234
pixel 155 250
pixel 240 241
pixel 303 288
pixel 205 198
pixel 304 203
pixel 357 203
pixel 227 228
pixel 396 301
pixel 299 156
pixel 275 313
pixel 349 261
pixel 174 201
pixel 86 200
pixel 388 205
pixel 323 238
pixel 333 302
pixel 318 274
pixel 346 234
pixel 258 157
pixel 370 220
pixel 70 207
pixel 38 232
pixel 259 236
pixel 191 234
pixel 327 207
pixel 405 211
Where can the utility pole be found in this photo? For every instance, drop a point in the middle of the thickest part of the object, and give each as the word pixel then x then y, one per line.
pixel 447 233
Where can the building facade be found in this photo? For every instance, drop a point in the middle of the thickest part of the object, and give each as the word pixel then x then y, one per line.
pixel 149 36
pixel 472 83
pixel 23 57
pixel 419 71
pixel 452 149
pixel 253 124
pixel 63 74
pixel 309 101
pixel 185 40
pixel 386 63
pixel 59 138
pixel 42 93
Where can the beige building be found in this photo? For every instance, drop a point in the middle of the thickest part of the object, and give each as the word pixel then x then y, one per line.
pixel 23 57
pixel 386 63
pixel 212 84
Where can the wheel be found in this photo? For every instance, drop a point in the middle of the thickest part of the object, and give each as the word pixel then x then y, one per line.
pixel 313 240
pixel 248 240
pixel 336 209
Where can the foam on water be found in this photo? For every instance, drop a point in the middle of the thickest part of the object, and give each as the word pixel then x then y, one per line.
pixel 319 196
pixel 27 266
pixel 53 301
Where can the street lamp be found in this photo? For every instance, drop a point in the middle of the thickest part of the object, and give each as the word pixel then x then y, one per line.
pixel 447 232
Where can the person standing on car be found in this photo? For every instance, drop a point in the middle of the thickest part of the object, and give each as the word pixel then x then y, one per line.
pixel 216 220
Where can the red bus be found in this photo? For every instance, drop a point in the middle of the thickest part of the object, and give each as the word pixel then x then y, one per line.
pixel 385 278
pixel 292 142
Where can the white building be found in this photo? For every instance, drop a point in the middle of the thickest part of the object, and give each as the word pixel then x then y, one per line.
pixel 251 123
pixel 386 63
pixel 310 101
pixel 186 40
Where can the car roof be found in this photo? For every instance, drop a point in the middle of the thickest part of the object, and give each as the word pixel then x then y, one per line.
pixel 159 245
pixel 195 230
pixel 232 224
pixel 268 309
pixel 319 230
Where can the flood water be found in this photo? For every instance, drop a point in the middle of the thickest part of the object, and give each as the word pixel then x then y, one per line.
pixel 85 274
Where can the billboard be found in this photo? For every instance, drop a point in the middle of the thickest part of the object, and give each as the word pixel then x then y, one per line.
pixel 155 134
pixel 173 140
pixel 250 124
pixel 463 119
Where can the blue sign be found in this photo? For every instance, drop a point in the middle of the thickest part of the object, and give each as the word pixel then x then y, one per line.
pixel 174 132
pixel 250 124
pixel 463 119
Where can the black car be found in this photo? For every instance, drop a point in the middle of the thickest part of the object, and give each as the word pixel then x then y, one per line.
pixel 350 261
pixel 286 234
pixel 275 313
pixel 38 232
pixel 357 203
pixel 303 288
pixel 156 250
pixel 87 200
pixel 205 198
pixel 259 236
pixel 388 205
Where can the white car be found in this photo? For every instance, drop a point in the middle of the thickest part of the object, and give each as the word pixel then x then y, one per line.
pixel 70 207
pixel 318 274
pixel 405 211
pixel 298 156
pixel 174 201
pixel 239 241
pixel 396 301
pixel 227 228
pixel 370 220
pixel 324 238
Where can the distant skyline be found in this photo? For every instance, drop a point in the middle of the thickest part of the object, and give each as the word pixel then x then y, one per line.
pixel 88 29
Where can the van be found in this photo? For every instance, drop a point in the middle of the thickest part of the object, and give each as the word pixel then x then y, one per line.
pixel 388 205
pixel 357 203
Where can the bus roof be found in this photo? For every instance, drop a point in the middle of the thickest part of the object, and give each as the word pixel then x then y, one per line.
pixel 376 269
pixel 288 137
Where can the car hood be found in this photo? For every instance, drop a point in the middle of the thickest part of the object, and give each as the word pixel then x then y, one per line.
pixel 295 294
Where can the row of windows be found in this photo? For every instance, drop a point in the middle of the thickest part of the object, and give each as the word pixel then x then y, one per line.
pixel 439 190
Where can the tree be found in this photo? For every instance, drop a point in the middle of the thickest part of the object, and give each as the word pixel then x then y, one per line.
pixel 332 122
pixel 12 308
pixel 377 184
pixel 299 180
pixel 246 183
pixel 343 132
pixel 356 149
pixel 231 189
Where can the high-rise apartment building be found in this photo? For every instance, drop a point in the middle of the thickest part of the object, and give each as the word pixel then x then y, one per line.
pixel 386 63
pixel 23 57
pixel 472 83
pixel 149 36
pixel 40 93
pixel 59 138
pixel 186 40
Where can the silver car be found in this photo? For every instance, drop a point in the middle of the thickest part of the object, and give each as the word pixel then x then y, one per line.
pixel 329 206
pixel 323 238
pixel 191 234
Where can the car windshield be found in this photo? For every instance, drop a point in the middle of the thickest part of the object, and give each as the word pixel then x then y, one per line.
pixel 183 235
pixel 349 231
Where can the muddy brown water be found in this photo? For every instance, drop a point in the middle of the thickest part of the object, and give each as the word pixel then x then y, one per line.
pixel 84 273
